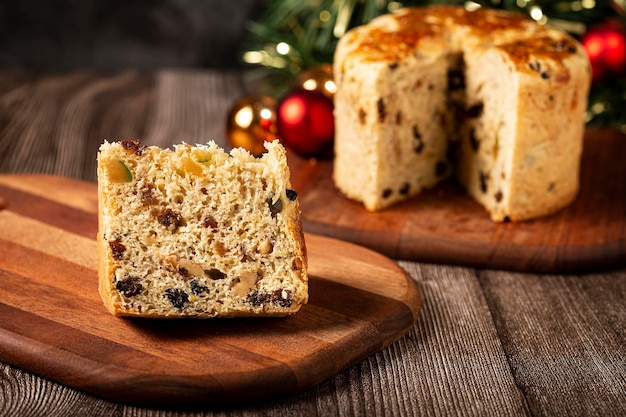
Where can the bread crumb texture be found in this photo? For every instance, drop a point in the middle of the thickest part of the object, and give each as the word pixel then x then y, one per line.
pixel 198 232
pixel 487 96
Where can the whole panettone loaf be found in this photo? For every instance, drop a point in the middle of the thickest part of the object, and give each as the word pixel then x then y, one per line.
pixel 487 96
pixel 197 232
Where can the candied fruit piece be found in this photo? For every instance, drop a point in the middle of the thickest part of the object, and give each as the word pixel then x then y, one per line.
pixel 117 171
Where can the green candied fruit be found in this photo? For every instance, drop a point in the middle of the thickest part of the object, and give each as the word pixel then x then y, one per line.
pixel 118 171
pixel 202 155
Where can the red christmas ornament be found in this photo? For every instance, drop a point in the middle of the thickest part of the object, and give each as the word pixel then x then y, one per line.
pixel 606 47
pixel 305 122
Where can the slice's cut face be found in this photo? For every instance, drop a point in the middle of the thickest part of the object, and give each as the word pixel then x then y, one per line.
pixel 198 232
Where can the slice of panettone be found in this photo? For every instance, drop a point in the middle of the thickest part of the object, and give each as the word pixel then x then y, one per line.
pixel 198 232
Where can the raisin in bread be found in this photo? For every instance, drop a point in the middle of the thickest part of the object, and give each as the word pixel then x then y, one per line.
pixel 487 96
pixel 198 232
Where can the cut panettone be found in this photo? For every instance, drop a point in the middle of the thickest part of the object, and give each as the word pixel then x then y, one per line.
pixel 487 96
pixel 198 232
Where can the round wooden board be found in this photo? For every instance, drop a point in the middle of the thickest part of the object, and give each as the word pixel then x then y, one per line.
pixel 53 323
pixel 444 225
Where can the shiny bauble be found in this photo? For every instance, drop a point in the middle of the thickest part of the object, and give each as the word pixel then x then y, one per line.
pixel 606 47
pixel 306 123
pixel 251 122
pixel 317 78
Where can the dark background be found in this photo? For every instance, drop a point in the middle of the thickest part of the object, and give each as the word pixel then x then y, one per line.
pixel 119 34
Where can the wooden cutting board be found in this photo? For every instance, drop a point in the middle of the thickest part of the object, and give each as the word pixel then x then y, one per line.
pixel 53 323
pixel 444 225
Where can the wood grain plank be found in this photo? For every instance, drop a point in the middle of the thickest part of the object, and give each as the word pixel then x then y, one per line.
pixel 42 237
pixel 453 358
pixel 444 225
pixel 579 366
pixel 57 215
pixel 55 189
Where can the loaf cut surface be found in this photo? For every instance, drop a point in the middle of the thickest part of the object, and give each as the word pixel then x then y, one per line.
pixel 198 232
pixel 486 96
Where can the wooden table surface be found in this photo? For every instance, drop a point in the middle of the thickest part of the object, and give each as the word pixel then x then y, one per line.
pixel 487 342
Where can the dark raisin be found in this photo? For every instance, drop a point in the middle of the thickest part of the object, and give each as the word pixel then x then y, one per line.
pixel 475 143
pixel 565 46
pixel 275 207
pixel 257 298
pixel 177 297
pixel 535 66
pixel 498 196
pixel 134 146
pixel 117 249
pixel 129 286
pixel 204 191
pixel 291 195
pixel 382 111
pixel 296 264
pixel 483 181
pixel 393 65
pixel 169 218
pixel 283 300
pixel 507 219
pixel 147 196
pixel 456 80
pixel 452 153
pixel 399 118
pixel 404 190
pixel 183 271
pixel 419 146
pixel 209 221
pixel 475 111
pixel 245 257
pixel 387 192
pixel 215 274
pixel 362 116
pixel 441 168
pixel 198 289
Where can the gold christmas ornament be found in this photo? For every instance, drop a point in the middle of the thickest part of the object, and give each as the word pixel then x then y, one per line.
pixel 318 78
pixel 251 122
